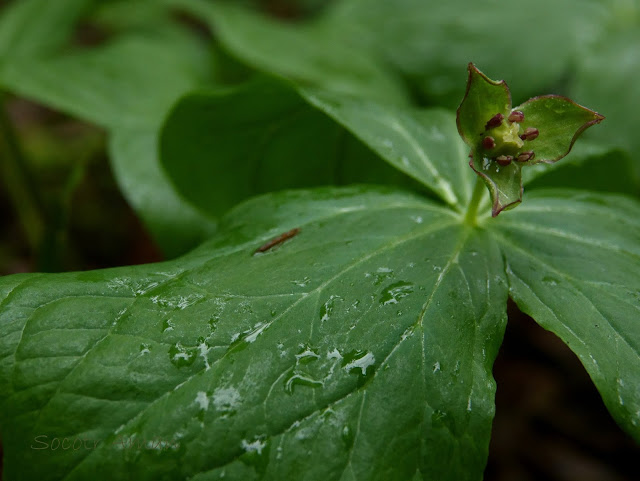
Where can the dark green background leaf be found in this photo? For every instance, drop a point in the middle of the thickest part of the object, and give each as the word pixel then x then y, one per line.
pixel 223 146
pixel 531 44
pixel 315 53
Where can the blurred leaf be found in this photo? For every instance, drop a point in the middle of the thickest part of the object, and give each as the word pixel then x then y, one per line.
pixel 223 146
pixel 532 44
pixel 175 224
pixel 588 166
pixel 315 54
pixel 224 363
pixel 130 82
pixel 127 85
pixel 607 79
pixel 37 27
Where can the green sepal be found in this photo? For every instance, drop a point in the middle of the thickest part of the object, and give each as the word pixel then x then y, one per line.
pixel 559 120
pixel 483 99
pixel 504 182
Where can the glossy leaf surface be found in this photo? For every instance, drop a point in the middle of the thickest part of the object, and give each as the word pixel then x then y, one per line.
pixel 367 338
pixel 573 262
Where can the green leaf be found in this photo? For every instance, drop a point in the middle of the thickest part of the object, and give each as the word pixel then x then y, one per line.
pixel 588 166
pixel 573 261
pixel 315 54
pixel 431 45
pixel 559 121
pixel 422 143
pixel 174 223
pixel 130 82
pixel 222 146
pixel 37 27
pixel 368 338
pixel 605 79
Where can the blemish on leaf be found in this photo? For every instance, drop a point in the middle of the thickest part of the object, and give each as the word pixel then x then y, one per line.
pixel 277 240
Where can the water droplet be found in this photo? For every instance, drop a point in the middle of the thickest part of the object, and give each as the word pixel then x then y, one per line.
pixel 300 379
pixel 381 274
pixel 417 219
pixel 177 302
pixel 253 447
pixel 327 308
pixel 347 436
pixel 335 354
pixel 167 325
pixel 226 400
pixel 213 323
pixel 438 418
pixel 303 282
pixel 145 349
pixel 392 293
pixel 203 349
pixel 550 281
pixel 202 400
pixel 256 454
pixel 181 356
pixel 250 335
pixel 306 355
pixel 358 360
pixel 436 367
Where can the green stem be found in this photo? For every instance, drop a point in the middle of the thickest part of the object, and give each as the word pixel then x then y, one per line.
pixel 18 182
pixel 476 197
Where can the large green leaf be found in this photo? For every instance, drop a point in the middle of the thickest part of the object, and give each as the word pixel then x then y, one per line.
pixel 222 146
pixel 573 262
pixel 316 54
pixel 360 348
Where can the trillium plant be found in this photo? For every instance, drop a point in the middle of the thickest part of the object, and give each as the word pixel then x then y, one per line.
pixel 336 289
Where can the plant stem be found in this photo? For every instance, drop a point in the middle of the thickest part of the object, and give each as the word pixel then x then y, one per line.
pixel 476 197
pixel 18 182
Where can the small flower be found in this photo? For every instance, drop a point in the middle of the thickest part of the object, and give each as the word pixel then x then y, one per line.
pixel 543 129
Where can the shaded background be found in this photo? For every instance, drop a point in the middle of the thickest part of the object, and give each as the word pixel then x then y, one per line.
pixel 551 422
